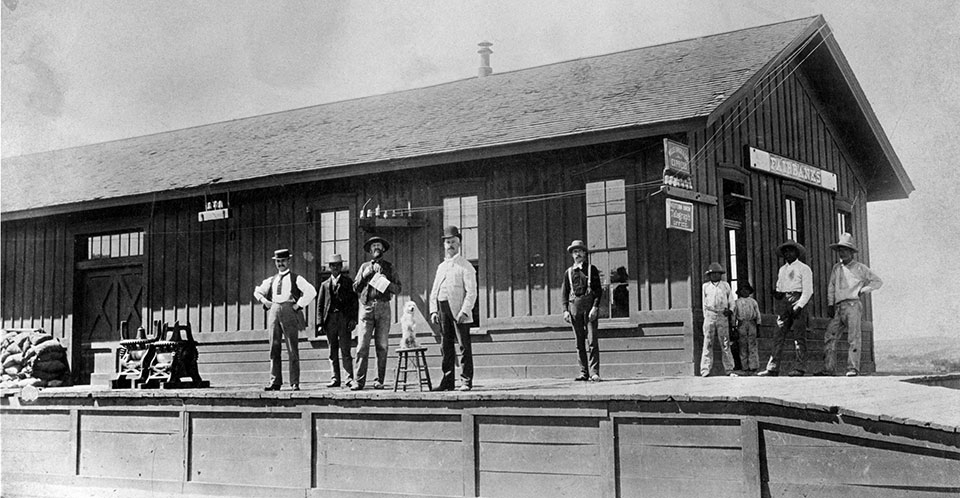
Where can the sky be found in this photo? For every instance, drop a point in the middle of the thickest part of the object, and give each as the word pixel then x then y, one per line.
pixel 88 71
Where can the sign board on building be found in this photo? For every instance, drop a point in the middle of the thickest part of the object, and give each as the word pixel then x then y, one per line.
pixel 794 170
pixel 676 158
pixel 679 215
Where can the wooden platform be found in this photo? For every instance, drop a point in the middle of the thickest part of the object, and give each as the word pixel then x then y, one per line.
pixel 679 436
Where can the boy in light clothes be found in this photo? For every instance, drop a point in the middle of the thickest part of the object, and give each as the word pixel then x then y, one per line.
pixel 717 308
pixel 746 314
pixel 849 280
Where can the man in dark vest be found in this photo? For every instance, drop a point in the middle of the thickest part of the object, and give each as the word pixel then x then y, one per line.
pixel 336 317
pixel 376 284
pixel 581 291
pixel 284 296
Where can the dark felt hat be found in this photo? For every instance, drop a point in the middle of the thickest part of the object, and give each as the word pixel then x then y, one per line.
pixel 576 244
pixel 450 232
pixel 371 240
pixel 715 268
pixel 282 254
pixel 790 243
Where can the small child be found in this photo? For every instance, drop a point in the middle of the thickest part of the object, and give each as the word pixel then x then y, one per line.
pixel 746 315
pixel 717 307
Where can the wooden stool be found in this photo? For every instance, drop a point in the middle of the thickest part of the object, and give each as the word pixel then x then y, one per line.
pixel 420 361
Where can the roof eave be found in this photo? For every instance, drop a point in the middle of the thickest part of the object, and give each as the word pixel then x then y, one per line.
pixel 378 167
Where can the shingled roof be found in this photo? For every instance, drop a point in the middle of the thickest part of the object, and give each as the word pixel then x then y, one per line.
pixel 663 83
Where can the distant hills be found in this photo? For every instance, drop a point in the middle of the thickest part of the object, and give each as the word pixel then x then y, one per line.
pixel 917 355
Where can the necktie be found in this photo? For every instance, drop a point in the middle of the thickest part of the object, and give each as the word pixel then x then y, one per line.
pixel 279 285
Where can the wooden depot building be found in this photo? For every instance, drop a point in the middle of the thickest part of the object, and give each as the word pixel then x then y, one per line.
pixel 663 159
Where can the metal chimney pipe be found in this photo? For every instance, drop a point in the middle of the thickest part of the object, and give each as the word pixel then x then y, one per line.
pixel 485 69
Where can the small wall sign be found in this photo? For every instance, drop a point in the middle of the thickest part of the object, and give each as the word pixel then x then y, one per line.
pixel 794 170
pixel 676 158
pixel 679 215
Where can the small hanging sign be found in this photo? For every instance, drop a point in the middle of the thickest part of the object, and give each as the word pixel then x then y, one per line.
pixel 679 215
pixel 214 211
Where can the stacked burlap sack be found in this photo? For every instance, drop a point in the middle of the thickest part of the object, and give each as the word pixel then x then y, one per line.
pixel 33 358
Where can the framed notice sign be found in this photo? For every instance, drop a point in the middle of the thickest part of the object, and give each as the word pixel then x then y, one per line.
pixel 794 170
pixel 679 215
pixel 676 158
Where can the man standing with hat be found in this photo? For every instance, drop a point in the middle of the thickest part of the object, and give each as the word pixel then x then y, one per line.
pixel 793 291
pixel 717 299
pixel 336 317
pixel 849 280
pixel 581 291
pixel 452 298
pixel 284 296
pixel 376 285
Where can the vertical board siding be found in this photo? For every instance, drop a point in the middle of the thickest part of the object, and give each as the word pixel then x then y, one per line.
pixel 780 116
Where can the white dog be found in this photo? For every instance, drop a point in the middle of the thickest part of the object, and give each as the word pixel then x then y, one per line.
pixel 409 340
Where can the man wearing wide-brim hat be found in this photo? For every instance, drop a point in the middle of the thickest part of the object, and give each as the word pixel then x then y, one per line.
pixel 284 295
pixel 581 291
pixel 376 284
pixel 793 291
pixel 849 279
pixel 337 317
pixel 717 300
pixel 452 297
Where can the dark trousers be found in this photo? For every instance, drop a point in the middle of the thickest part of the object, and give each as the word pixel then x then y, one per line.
pixel 460 332
pixel 284 325
pixel 588 347
pixel 789 321
pixel 339 339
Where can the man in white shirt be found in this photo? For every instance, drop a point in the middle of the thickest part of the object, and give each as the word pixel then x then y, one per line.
pixel 284 296
pixel 793 292
pixel 849 280
pixel 452 298
pixel 717 299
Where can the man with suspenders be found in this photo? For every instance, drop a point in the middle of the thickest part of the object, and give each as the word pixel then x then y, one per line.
pixel 581 294
pixel 284 296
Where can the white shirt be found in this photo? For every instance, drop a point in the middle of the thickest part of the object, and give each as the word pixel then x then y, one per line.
pixel 796 277
pixel 717 296
pixel 284 294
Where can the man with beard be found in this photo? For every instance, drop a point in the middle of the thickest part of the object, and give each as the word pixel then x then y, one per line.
pixel 581 292
pixel 452 298
pixel 376 285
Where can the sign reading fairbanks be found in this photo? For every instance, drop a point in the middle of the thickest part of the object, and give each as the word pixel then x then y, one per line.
pixel 679 215
pixel 794 170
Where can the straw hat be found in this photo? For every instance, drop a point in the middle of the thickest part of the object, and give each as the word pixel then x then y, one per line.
pixel 846 240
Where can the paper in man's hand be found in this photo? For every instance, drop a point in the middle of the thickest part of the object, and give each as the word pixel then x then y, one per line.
pixel 380 282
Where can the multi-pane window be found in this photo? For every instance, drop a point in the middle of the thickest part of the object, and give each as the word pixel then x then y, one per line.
pixel 461 212
pixel 335 236
pixel 734 219
pixel 115 245
pixel 793 219
pixel 734 270
pixel 607 243
pixel 844 222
